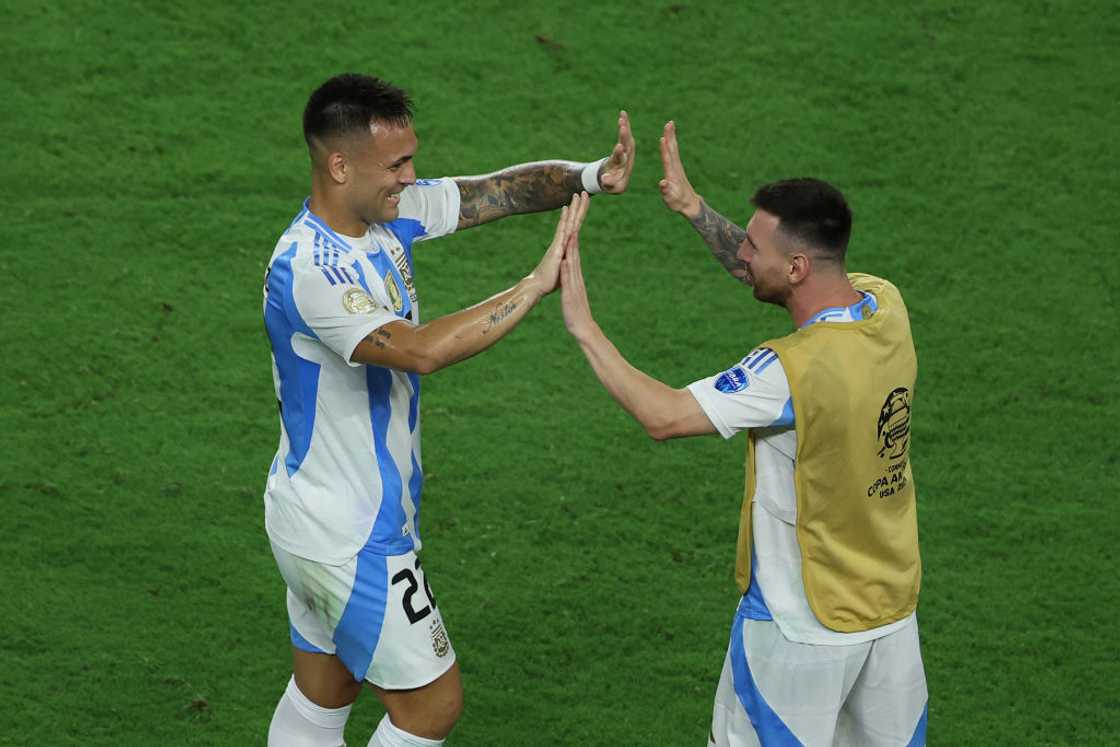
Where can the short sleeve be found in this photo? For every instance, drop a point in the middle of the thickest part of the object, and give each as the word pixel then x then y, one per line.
pixel 754 393
pixel 433 204
pixel 334 305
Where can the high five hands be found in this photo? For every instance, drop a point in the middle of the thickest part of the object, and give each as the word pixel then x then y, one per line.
pixel 547 272
pixel 676 191
pixel 573 293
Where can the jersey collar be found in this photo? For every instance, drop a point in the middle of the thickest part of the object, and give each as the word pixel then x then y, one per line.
pixel 321 225
pixel 858 311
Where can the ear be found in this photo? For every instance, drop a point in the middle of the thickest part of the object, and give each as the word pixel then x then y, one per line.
pixel 800 265
pixel 338 167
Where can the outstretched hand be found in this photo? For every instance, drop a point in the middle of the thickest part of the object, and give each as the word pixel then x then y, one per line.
pixel 614 175
pixel 573 293
pixel 676 191
pixel 547 272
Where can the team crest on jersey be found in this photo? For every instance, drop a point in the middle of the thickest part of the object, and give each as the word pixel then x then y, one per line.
pixel 401 261
pixel 440 644
pixel 894 424
pixel 357 301
pixel 394 292
pixel 734 379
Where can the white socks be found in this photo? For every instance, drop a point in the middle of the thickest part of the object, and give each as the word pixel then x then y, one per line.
pixel 388 735
pixel 300 723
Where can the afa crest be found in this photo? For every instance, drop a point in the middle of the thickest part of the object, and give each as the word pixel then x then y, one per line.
pixel 394 292
pixel 440 644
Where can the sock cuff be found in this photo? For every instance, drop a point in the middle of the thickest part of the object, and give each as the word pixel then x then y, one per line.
pixel 327 718
pixel 395 736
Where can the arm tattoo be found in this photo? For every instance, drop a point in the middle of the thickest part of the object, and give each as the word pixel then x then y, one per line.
pixel 379 337
pixel 723 238
pixel 527 188
pixel 499 315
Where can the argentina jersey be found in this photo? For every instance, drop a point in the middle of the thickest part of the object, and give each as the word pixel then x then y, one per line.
pixel 755 395
pixel 347 473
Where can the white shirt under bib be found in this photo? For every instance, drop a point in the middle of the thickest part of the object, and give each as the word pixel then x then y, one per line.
pixel 755 394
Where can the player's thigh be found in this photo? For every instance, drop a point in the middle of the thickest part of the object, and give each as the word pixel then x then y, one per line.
pixel 324 679
pixel 888 702
pixel 777 692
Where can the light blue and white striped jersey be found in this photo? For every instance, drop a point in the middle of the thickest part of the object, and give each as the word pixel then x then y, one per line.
pixel 754 394
pixel 347 472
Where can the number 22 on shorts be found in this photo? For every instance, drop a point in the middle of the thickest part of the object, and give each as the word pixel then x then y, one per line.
pixel 412 586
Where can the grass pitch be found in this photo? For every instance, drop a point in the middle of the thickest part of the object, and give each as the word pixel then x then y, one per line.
pixel 152 155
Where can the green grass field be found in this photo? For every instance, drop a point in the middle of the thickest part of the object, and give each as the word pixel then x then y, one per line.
pixel 152 155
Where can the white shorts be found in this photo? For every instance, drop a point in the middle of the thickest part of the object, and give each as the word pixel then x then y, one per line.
pixel 376 613
pixel 775 692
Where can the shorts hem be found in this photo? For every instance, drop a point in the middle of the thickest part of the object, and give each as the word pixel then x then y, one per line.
pixel 413 685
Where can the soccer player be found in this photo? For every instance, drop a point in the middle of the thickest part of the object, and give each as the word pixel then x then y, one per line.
pixel 342 313
pixel 824 644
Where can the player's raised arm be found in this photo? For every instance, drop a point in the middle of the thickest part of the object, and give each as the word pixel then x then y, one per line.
pixel 722 235
pixel 544 185
pixel 449 339
pixel 663 411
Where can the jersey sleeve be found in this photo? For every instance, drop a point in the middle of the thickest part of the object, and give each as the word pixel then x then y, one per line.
pixel 754 393
pixel 431 204
pixel 331 301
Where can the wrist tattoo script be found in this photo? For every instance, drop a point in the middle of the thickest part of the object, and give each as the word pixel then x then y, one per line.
pixel 723 238
pixel 528 188
pixel 499 315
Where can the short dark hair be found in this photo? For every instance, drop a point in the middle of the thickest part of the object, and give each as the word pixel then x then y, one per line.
pixel 809 210
pixel 347 103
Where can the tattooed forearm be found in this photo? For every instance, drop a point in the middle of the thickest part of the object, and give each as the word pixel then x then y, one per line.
pixel 500 313
pixel 723 238
pixel 379 337
pixel 526 188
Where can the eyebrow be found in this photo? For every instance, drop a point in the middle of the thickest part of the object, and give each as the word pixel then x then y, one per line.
pixel 400 161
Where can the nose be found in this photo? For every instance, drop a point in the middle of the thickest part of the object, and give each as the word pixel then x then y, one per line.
pixel 744 253
pixel 407 173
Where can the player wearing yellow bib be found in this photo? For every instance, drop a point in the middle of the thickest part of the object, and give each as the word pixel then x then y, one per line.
pixel 824 643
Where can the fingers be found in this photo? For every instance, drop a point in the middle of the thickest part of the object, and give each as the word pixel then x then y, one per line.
pixel 671 138
pixel 625 136
pixel 561 223
pixel 581 210
pixel 670 156
pixel 666 161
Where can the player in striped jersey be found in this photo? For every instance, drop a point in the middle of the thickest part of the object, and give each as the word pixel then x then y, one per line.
pixel 799 670
pixel 342 313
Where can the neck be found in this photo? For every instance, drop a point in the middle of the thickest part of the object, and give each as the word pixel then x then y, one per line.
pixel 328 205
pixel 819 293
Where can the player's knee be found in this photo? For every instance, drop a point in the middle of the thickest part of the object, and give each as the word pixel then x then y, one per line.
pixel 455 708
pixel 432 716
pixel 446 711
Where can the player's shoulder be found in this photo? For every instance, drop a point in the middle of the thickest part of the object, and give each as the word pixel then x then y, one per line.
pixel 308 244
pixel 761 369
pixel 761 359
